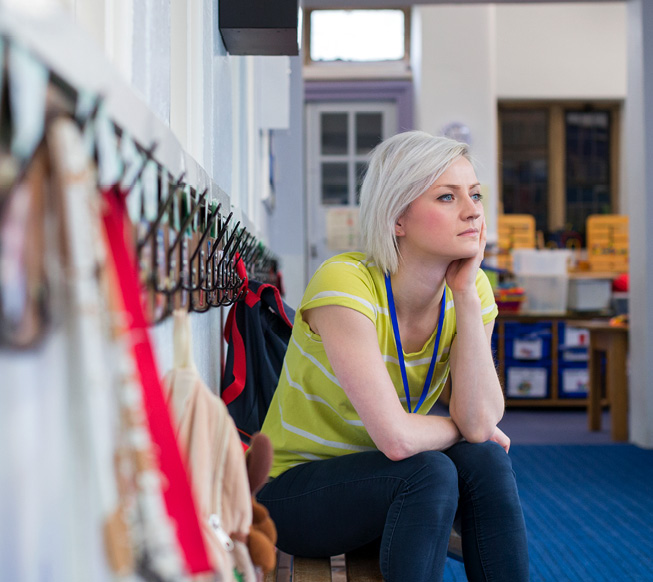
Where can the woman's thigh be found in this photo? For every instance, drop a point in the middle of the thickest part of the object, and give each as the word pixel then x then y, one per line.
pixel 328 507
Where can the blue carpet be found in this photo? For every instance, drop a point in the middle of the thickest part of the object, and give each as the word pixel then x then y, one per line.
pixel 588 512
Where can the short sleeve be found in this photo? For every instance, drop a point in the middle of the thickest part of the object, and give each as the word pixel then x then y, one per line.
pixel 343 281
pixel 489 309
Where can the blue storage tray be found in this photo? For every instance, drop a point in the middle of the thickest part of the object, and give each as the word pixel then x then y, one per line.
pixel 573 379
pixel 527 380
pixel 528 341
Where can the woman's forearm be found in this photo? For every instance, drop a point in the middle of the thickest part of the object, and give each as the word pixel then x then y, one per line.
pixel 418 433
pixel 477 402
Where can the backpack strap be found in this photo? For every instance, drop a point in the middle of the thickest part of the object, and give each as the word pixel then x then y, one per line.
pixel 270 295
pixel 233 336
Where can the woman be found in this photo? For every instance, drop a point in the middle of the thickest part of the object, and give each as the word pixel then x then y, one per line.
pixel 374 339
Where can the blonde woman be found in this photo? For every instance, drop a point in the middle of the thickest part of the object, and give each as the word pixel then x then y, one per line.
pixel 357 459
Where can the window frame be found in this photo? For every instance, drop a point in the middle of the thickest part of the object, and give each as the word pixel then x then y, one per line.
pixel 355 69
pixel 556 195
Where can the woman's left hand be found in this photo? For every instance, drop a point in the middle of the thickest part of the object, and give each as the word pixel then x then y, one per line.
pixel 501 438
pixel 461 273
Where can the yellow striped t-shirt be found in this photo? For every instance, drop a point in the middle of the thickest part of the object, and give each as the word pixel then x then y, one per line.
pixel 310 416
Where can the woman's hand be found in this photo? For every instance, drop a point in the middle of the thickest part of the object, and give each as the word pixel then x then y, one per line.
pixel 461 273
pixel 501 438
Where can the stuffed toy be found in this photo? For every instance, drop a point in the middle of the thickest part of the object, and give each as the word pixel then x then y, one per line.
pixel 263 533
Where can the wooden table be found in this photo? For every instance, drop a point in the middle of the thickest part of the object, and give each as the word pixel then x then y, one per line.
pixel 613 342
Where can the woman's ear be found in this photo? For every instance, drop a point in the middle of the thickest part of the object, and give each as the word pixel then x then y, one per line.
pixel 399 229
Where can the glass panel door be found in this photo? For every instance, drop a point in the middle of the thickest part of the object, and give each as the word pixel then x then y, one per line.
pixel 340 137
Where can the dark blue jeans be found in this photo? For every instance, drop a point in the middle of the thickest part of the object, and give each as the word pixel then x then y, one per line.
pixel 326 508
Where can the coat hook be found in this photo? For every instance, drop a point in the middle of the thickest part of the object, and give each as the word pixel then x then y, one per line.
pixel 92 114
pixel 149 157
pixel 163 208
pixel 196 252
pixel 210 265
pixel 186 222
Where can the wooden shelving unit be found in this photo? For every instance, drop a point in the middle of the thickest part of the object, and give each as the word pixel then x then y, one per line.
pixel 554 399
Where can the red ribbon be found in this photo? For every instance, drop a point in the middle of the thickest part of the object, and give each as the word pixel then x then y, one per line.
pixel 177 492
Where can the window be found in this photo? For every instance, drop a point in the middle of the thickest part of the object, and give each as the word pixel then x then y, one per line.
pixel 559 162
pixel 357 35
pixel 525 168
pixel 351 41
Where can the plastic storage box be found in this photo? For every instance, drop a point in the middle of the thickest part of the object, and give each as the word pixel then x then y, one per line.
pixel 574 380
pixel 589 294
pixel 543 275
pixel 574 343
pixel 527 379
pixel 527 341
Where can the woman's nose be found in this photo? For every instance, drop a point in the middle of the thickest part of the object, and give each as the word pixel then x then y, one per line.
pixel 472 210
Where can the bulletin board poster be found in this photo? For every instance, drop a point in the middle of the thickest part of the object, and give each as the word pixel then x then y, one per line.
pixel 342 229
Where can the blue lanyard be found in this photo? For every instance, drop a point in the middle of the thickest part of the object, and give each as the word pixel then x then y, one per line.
pixel 400 351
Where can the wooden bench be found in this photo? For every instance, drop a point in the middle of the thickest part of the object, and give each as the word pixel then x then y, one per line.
pixel 357 566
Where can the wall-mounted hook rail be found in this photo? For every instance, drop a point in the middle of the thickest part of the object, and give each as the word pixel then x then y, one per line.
pixel 163 208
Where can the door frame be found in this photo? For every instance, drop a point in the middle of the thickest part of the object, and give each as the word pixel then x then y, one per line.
pixel 398 92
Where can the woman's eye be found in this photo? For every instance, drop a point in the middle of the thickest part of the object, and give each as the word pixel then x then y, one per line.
pixel 477 196
pixel 446 197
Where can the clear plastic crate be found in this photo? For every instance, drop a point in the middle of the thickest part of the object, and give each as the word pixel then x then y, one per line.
pixel 546 294
pixel 540 262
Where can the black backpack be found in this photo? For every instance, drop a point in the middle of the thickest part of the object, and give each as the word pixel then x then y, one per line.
pixel 257 332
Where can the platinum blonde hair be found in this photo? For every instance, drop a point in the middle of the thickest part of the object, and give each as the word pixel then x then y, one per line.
pixel 401 168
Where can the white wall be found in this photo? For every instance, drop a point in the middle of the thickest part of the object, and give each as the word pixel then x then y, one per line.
pixel 639 165
pixel 454 64
pixel 287 223
pixel 559 51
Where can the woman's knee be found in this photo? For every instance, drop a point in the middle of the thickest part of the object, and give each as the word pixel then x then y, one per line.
pixel 481 457
pixel 486 468
pixel 434 473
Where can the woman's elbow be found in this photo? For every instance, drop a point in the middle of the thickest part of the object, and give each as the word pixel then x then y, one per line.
pixel 477 434
pixel 478 431
pixel 394 449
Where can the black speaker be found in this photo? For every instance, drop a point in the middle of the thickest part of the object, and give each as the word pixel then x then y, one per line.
pixel 259 27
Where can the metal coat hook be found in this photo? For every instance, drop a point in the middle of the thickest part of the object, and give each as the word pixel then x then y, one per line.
pixel 212 263
pixel 162 210
pixel 196 252
pixel 186 222
pixel 149 153
pixel 227 251
pixel 173 288
pixel 246 248
pixel 252 252
pixel 93 113
pixel 227 245
pixel 226 278
pixel 258 252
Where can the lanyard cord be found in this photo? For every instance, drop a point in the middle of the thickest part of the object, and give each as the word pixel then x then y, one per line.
pixel 400 351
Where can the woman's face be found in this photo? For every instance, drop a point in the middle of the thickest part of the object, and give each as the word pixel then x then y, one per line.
pixel 445 221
